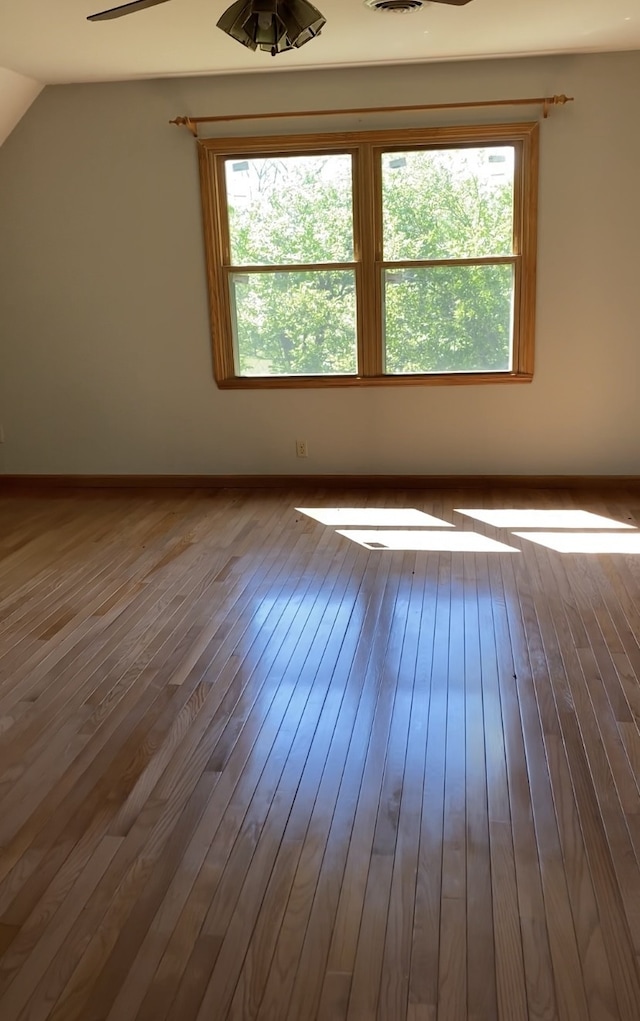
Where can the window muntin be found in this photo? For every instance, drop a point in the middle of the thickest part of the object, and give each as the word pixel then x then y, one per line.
pixel 481 324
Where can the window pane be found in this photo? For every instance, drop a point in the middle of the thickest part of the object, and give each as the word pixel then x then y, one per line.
pixel 448 203
pixel 448 319
pixel 292 324
pixel 290 209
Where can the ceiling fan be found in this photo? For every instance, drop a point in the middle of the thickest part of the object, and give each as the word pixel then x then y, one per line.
pixel 273 25
pixel 141 5
pixel 130 8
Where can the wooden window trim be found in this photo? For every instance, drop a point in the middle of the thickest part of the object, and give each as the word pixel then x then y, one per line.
pixel 365 148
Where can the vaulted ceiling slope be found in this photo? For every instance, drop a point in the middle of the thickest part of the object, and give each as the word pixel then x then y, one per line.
pixel 17 93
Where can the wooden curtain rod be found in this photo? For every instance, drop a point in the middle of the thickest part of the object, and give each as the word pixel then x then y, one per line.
pixel 546 102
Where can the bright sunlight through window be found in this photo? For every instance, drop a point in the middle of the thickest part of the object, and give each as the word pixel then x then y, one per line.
pixel 379 257
pixel 528 518
pixel 407 528
pixel 377 517
pixel 443 542
pixel 586 542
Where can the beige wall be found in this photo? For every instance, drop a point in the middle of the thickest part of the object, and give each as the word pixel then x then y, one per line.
pixel 104 345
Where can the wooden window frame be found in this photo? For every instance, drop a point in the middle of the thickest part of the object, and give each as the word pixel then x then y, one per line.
pixel 365 146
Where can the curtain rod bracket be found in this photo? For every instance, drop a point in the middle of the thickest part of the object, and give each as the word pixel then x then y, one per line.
pixel 186 122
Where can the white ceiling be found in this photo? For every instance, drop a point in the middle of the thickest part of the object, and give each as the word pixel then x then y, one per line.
pixel 51 41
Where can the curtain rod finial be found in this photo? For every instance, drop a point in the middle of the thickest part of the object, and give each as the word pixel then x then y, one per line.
pixel 186 122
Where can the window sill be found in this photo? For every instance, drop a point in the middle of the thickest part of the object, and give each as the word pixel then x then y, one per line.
pixel 322 382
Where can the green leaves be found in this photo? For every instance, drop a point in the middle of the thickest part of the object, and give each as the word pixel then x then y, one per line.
pixel 293 210
pixel 296 323
pixel 448 319
pixel 447 204
pixel 437 204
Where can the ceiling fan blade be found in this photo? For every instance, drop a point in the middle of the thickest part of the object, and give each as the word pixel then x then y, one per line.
pixel 452 3
pixel 118 12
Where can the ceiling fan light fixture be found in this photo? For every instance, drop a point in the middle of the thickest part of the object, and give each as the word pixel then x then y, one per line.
pixel 272 25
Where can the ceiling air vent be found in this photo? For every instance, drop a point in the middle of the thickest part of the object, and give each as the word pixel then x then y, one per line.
pixel 395 6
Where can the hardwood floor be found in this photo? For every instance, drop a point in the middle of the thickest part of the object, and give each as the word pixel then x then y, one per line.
pixel 252 769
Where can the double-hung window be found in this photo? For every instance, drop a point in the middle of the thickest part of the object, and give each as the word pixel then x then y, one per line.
pixel 372 258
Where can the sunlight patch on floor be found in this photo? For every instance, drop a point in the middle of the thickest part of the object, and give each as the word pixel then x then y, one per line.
pixel 452 542
pixel 530 518
pixel 406 529
pixel 585 542
pixel 376 517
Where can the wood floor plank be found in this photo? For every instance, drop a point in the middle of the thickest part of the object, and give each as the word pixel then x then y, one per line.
pixel 423 979
pixel 252 770
pixel 396 964
pixel 512 831
pixel 589 776
pixel 511 942
pixel 480 963
pixel 180 942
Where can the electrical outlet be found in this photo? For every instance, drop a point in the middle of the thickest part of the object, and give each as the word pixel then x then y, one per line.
pixel 302 449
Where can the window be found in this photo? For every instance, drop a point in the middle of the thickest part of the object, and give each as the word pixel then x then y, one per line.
pixel 372 258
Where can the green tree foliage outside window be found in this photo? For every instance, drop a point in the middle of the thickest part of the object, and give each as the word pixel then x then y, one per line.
pixel 437 204
pixel 293 211
pixel 444 204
